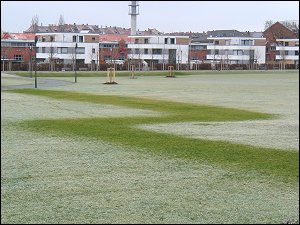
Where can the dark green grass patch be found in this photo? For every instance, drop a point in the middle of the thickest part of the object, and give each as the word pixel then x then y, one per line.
pixel 146 73
pixel 282 165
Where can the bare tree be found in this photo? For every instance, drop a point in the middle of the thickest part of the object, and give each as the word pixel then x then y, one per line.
pixel 61 23
pixel 227 57
pixel 292 25
pixel 92 57
pixel 214 55
pixel 114 55
pixel 51 55
pixel 152 59
pixel 283 58
pixel 257 56
pixel 3 56
pixel 268 24
pixel 97 59
pixel 7 54
pixel 72 56
pixel 164 53
pixel 221 57
pixel 178 59
pixel 34 23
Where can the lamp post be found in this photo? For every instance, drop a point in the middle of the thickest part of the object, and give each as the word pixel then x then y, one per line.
pixel 35 79
pixel 75 63
pixel 180 58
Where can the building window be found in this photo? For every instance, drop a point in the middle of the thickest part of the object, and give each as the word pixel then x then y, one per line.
pixel 18 57
pixel 146 51
pixel 198 47
pixel 296 52
pixel 136 41
pixel 146 41
pixel 137 51
pixel 166 40
pixel 238 52
pixel 93 50
pixel 297 43
pixel 286 52
pixel 286 43
pixel 74 38
pixel 107 57
pixel 247 42
pixel 52 50
pixel 217 52
pixel 62 50
pixel 80 38
pixel 43 49
pixel 121 57
pixel 93 38
pixel 43 39
pixel 4 44
pixel 172 40
pixel 18 44
pixel 157 51
pixel 80 50
pixel 216 42
pixel 107 46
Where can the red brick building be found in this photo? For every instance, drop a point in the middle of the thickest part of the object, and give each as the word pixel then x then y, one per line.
pixel 17 50
pixel 274 32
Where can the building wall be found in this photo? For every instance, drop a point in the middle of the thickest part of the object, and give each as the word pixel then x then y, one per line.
pixel 66 41
pixel 158 48
pixel 11 52
pixel 287 50
pixel 198 55
pixel 17 50
pixel 198 52
pixel 237 50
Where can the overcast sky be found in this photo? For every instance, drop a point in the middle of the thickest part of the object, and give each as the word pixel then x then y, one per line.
pixel 166 16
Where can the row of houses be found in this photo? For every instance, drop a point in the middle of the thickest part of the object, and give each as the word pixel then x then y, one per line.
pixel 85 48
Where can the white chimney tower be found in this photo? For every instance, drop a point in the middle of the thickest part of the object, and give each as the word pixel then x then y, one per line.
pixel 133 11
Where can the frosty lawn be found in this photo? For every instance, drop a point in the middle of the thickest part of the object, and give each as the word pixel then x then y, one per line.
pixel 89 157
pixel 269 162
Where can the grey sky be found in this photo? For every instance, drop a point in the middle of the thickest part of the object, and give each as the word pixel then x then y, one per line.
pixel 166 16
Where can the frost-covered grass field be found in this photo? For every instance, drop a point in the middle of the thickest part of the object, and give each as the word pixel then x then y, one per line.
pixel 80 157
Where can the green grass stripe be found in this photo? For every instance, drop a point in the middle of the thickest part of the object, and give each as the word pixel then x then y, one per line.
pixel 282 165
pixel 144 73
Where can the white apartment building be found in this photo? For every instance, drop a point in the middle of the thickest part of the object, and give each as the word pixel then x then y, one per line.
pixel 237 50
pixel 159 49
pixel 61 47
pixel 288 50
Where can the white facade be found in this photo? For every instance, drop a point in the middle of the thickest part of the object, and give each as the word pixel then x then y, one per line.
pixel 237 50
pixel 63 47
pixel 287 49
pixel 162 49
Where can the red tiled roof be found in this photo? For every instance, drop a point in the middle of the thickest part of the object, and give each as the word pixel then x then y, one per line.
pixel 18 36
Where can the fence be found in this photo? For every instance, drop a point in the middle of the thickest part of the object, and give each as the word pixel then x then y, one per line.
pixel 15 66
